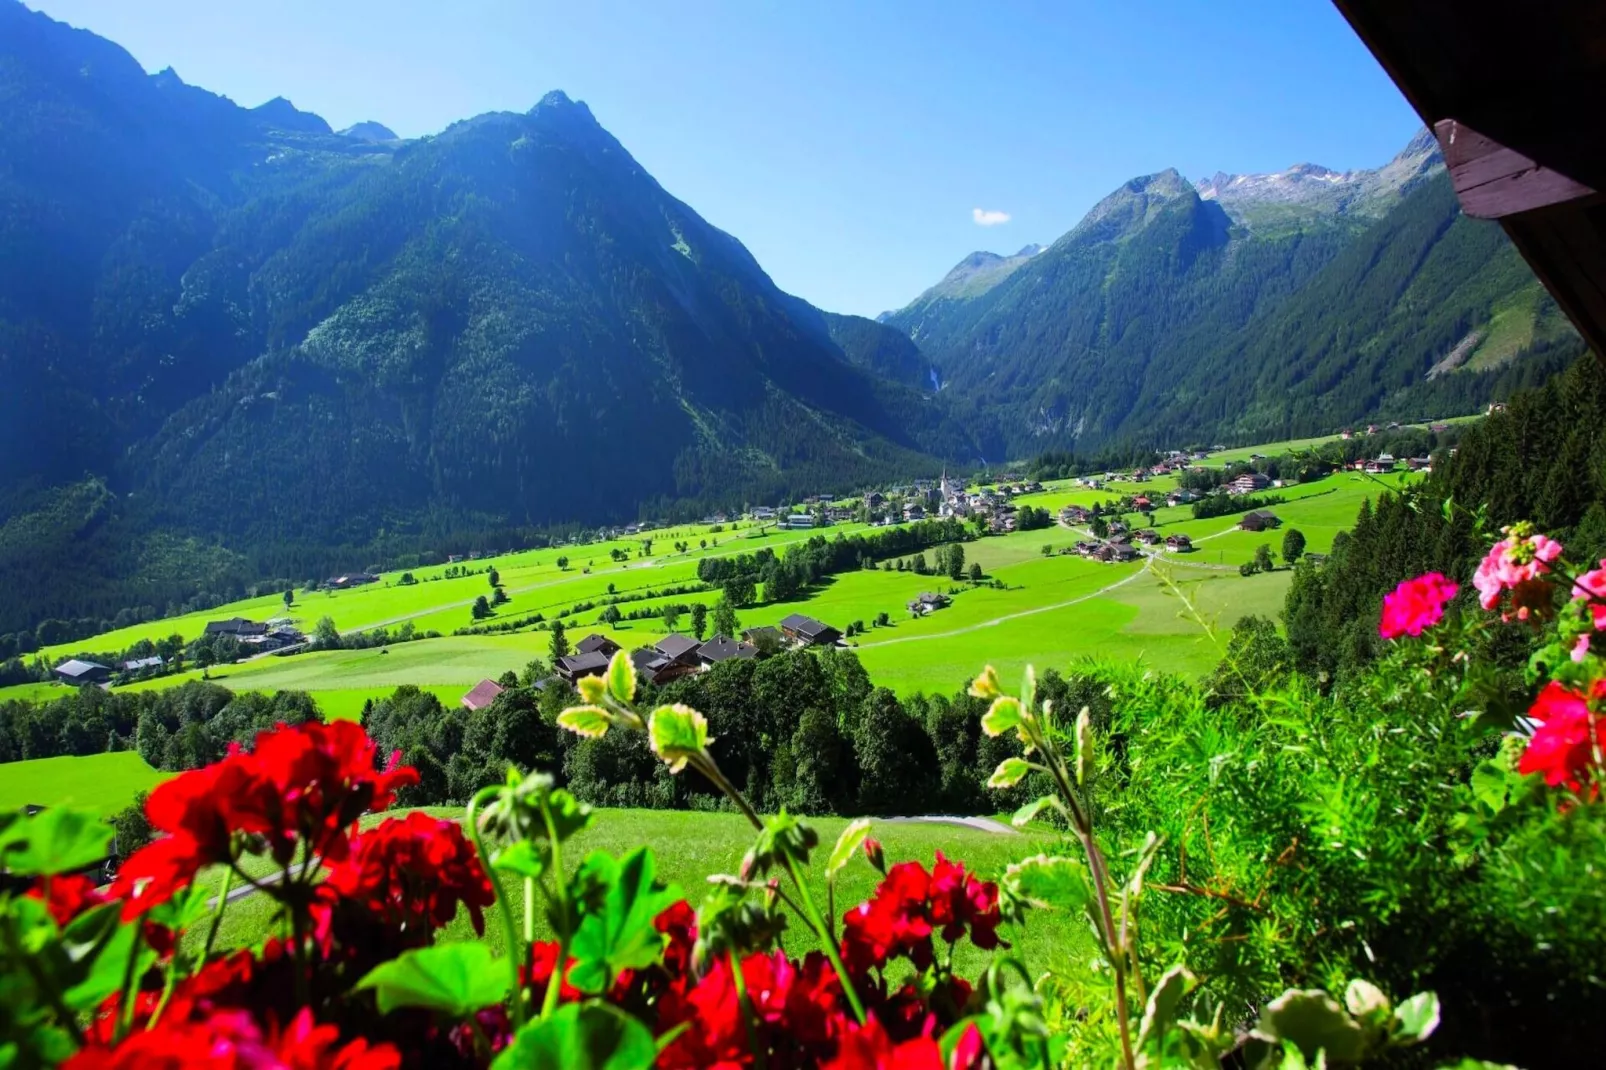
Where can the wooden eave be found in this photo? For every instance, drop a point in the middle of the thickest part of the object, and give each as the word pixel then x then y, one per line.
pixel 1516 94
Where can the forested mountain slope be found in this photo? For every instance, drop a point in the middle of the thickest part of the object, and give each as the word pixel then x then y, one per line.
pixel 1271 306
pixel 293 344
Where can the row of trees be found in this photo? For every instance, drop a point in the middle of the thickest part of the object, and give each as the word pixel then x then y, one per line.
pixel 802 729
pixel 175 728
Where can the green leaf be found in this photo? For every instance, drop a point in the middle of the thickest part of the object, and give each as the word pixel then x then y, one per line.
pixel 593 689
pixel 1010 772
pixel 97 947
pixel 986 685
pixel 570 816
pixel 1028 813
pixel 589 721
pixel 1365 1000
pixel 522 859
pixel 455 979
pixel 1491 785
pixel 1055 883
pixel 57 840
pixel 1313 1021
pixel 1001 716
pixel 847 845
pixel 622 678
pixel 580 1036
pixel 783 837
pixel 1084 747
pixel 618 901
pixel 1416 1018
pixel 678 733
pixel 1164 999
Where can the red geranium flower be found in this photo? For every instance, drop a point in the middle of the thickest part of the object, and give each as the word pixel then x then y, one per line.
pixel 232 1040
pixel 868 1047
pixel 411 874
pixel 66 896
pixel 1562 747
pixel 1416 605
pixel 324 778
pixel 909 905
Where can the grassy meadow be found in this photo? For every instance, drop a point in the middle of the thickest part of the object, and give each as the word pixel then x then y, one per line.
pixel 1172 612
pixel 100 782
pixel 712 843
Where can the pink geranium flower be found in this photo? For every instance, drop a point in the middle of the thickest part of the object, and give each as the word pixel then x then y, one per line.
pixel 1416 605
pixel 1515 561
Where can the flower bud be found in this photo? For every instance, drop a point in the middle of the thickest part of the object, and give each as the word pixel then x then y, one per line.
pixel 872 851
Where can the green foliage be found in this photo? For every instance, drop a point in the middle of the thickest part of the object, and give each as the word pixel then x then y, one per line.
pixel 454 979
pixel 581 1036
pixel 618 900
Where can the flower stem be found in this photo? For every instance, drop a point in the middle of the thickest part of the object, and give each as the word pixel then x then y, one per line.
pixel 515 954
pixel 1082 818
pixel 812 916
pixel 217 914
pixel 749 1016
pixel 125 1019
pixel 560 885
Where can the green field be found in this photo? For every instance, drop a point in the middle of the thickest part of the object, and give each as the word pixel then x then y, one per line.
pixel 102 782
pixel 1049 611
pixel 689 847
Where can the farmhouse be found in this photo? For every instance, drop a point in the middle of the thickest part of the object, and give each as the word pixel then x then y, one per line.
pixel 138 664
pixel 1178 543
pixel 658 667
pixel 798 520
pixel 358 579
pixel 575 666
pixel 481 695
pixel 1248 483
pixel 678 648
pixel 75 671
pixel 1181 496
pixel 808 631
pixel 723 648
pixel 238 627
pixel 927 602
pixel 596 643
pixel 1259 520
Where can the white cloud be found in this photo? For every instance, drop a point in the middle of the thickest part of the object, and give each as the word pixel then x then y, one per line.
pixel 988 217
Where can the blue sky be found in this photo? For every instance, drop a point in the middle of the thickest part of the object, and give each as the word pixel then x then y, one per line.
pixel 847 143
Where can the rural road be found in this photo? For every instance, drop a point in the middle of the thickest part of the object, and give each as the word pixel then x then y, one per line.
pixel 1013 616
pixel 980 824
pixel 241 890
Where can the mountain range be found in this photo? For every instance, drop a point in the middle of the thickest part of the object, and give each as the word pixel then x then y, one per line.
pixel 239 344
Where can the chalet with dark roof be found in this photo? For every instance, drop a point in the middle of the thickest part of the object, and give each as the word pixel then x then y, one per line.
pixel 681 648
pixel 1259 520
pixel 657 668
pixel 724 648
pixel 597 643
pixel 481 695
pixel 928 602
pixel 808 631
pixel 571 668
pixel 238 627
pixel 1178 543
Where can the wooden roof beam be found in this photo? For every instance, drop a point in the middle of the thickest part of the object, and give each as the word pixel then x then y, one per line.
pixel 1493 181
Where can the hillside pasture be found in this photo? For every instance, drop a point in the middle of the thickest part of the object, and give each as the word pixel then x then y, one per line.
pixel 104 783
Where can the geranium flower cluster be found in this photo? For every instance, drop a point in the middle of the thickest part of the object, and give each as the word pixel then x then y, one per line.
pixel 300 789
pixel 353 902
pixel 1566 723
pixel 910 905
